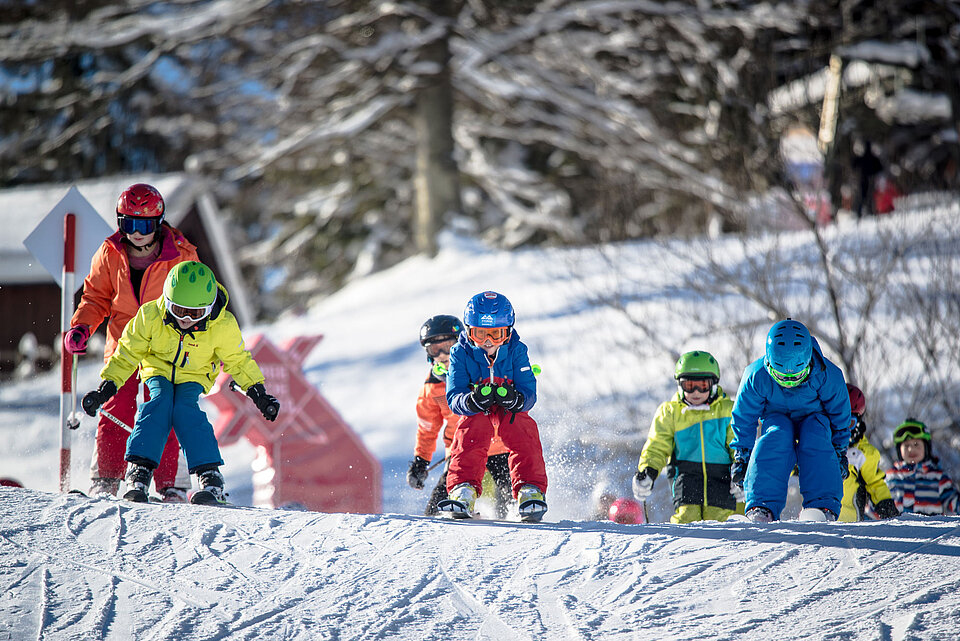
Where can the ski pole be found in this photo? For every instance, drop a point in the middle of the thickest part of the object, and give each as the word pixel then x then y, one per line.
pixel 441 462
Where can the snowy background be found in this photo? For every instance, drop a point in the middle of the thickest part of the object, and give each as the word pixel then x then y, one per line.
pixel 74 567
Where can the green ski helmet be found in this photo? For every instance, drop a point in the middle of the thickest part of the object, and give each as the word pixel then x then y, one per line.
pixel 697 366
pixel 190 291
pixel 912 428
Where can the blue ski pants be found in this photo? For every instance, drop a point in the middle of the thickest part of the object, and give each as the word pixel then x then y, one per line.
pixel 177 405
pixel 784 444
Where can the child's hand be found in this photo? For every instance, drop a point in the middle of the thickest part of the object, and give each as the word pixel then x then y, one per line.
pixel 643 483
pixel 738 470
pixel 417 474
pixel 481 398
pixel 509 398
pixel 92 401
pixel 268 405
pixel 844 465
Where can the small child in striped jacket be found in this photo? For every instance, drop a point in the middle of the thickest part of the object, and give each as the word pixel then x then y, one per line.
pixel 917 483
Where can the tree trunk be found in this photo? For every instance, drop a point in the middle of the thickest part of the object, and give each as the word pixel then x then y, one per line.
pixel 438 178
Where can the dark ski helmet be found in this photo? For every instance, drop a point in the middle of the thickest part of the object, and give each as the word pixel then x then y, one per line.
pixel 789 351
pixel 912 428
pixel 858 402
pixel 439 328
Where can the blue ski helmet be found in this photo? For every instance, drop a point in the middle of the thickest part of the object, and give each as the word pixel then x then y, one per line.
pixel 488 309
pixel 789 350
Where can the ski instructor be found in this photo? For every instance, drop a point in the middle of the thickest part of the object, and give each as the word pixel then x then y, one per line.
pixel 800 401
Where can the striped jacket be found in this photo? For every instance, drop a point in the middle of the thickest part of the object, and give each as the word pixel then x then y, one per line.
pixel 922 488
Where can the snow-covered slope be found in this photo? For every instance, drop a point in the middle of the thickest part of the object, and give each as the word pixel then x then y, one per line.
pixel 76 568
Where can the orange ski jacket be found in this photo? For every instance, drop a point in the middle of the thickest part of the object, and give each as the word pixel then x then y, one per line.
pixel 108 289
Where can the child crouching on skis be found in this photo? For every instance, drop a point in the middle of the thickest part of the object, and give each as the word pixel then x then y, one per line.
pixel 179 341
pixel 492 384
pixel 692 433
pixel 438 334
pixel 917 482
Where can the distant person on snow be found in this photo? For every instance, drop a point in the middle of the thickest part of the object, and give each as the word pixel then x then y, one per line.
pixel 128 269
pixel 438 334
pixel 491 383
pixel 800 400
pixel 178 342
pixel 866 479
pixel 691 433
pixel 917 482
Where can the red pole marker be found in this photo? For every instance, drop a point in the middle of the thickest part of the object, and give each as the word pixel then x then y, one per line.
pixel 67 363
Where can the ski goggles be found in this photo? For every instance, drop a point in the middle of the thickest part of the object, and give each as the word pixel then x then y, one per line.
pixel 436 349
pixel 496 335
pixel 187 313
pixel 138 225
pixel 689 385
pixel 789 380
pixel 910 429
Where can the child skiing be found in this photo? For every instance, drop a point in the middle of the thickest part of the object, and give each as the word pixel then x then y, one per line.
pixel 917 483
pixel 866 478
pixel 800 400
pixel 178 341
pixel 491 384
pixel 129 268
pixel 692 433
pixel 437 336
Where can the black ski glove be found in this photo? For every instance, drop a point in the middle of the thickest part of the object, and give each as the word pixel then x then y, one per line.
pixel 417 473
pixel 509 397
pixel 844 464
pixel 268 405
pixel 886 509
pixel 92 401
pixel 738 470
pixel 481 398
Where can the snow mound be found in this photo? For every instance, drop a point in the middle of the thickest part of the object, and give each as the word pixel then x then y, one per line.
pixel 74 567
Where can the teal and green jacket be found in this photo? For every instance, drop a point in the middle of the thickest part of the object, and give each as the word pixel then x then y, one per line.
pixel 695 443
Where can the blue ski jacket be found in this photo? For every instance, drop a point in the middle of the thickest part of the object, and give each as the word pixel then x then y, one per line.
pixel 824 392
pixel 469 365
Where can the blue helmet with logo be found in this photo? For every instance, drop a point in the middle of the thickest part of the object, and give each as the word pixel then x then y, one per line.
pixel 789 350
pixel 488 309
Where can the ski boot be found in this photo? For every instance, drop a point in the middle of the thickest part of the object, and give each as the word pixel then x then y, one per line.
pixel 173 495
pixel 759 514
pixel 99 486
pixel 460 502
pixel 211 489
pixel 138 483
pixel 816 514
pixel 531 503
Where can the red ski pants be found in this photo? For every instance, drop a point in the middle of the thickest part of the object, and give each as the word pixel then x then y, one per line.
pixel 108 461
pixel 468 458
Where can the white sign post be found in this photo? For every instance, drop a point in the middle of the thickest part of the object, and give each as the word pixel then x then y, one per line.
pixel 64 243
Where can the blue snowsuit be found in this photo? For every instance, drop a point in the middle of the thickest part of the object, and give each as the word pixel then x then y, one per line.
pixel 801 426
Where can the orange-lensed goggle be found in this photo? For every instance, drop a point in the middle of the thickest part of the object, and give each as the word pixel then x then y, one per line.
pixel 496 335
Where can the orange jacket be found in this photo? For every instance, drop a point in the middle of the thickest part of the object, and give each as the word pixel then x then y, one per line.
pixel 108 289
pixel 433 414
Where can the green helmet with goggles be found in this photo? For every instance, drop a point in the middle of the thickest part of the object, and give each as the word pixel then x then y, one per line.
pixel 190 291
pixel 912 428
pixel 697 371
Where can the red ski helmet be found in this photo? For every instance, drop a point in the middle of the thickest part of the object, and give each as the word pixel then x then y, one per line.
pixel 626 510
pixel 858 402
pixel 6 482
pixel 140 201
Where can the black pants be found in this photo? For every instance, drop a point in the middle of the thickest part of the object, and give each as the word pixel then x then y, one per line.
pixel 499 470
